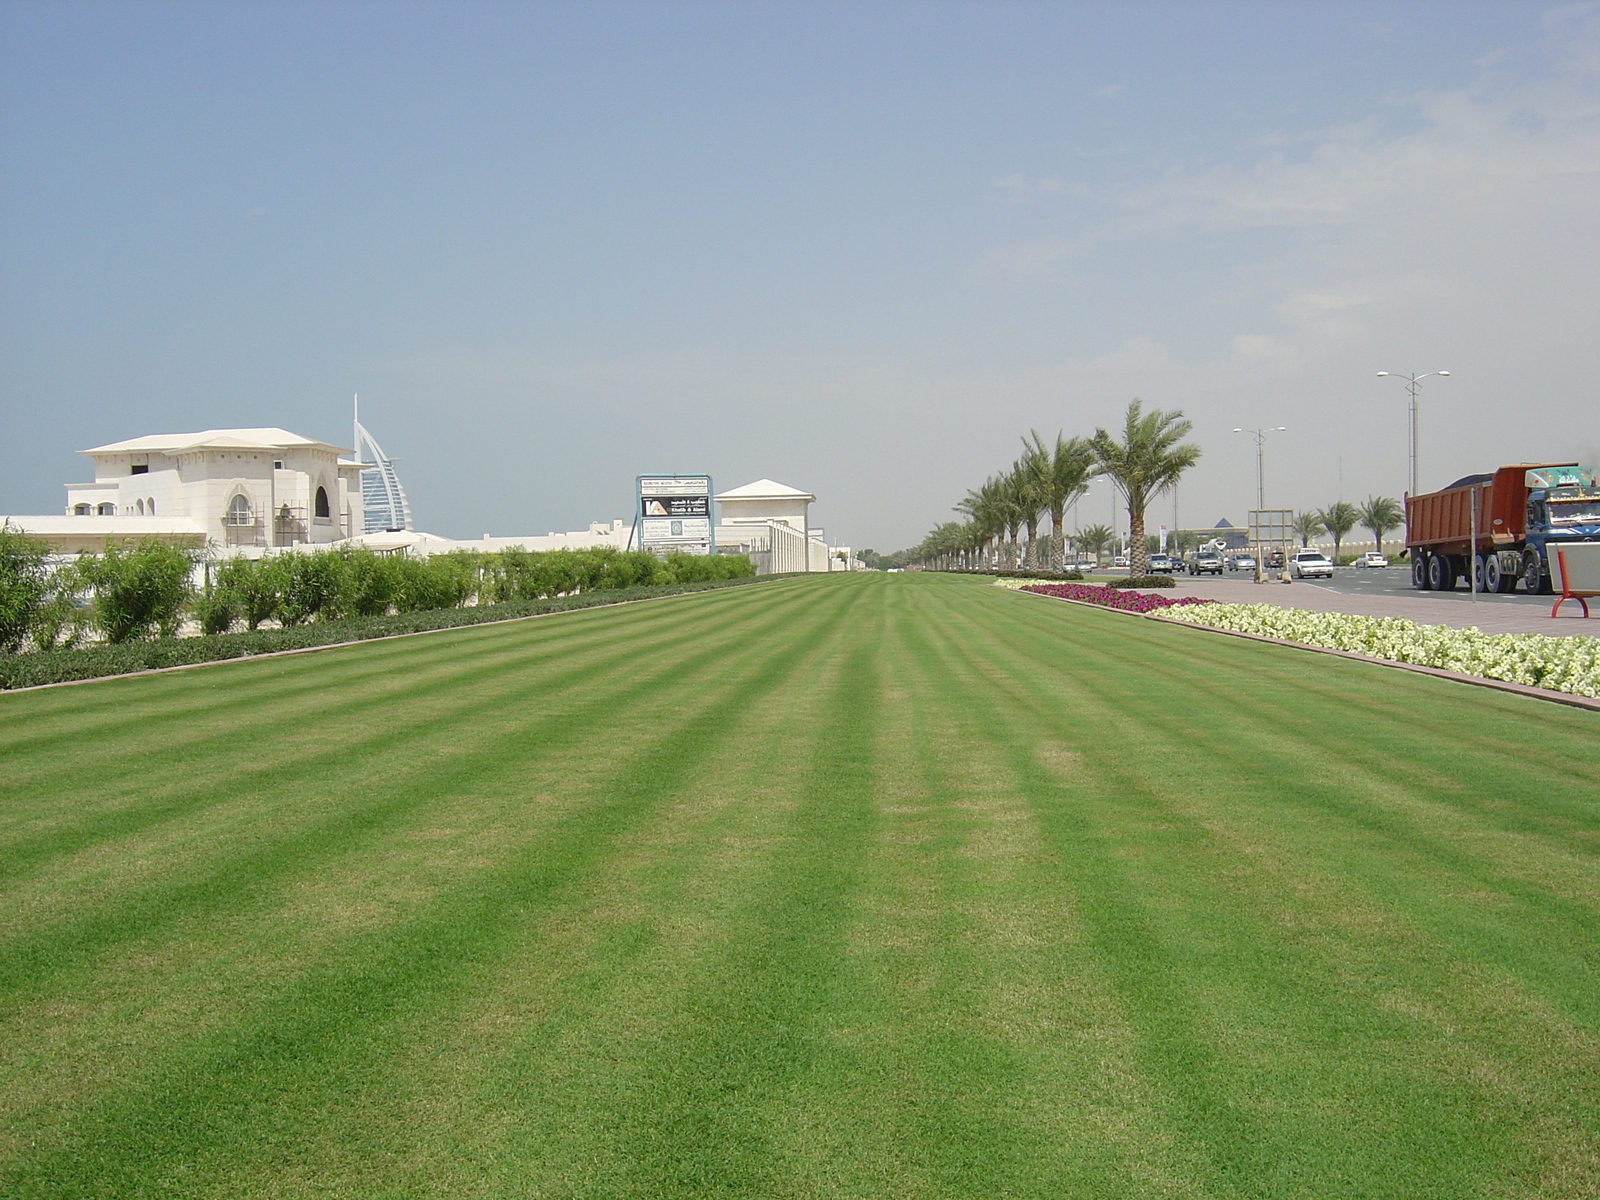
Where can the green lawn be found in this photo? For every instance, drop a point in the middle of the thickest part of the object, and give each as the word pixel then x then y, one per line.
pixel 857 886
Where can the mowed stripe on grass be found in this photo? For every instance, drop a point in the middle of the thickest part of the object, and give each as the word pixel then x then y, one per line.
pixel 857 885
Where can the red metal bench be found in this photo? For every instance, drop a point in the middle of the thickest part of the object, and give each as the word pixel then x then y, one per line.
pixel 1578 569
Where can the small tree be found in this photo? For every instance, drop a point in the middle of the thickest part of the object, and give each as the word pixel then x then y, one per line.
pixel 1339 518
pixel 1060 473
pixel 24 585
pixel 1381 514
pixel 309 586
pixel 138 592
pixel 1307 525
pixel 1094 539
pixel 1147 460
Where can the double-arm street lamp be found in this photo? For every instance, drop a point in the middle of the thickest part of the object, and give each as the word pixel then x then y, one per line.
pixel 1261 440
pixel 1413 384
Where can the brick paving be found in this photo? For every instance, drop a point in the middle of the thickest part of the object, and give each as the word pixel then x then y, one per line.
pixel 1489 616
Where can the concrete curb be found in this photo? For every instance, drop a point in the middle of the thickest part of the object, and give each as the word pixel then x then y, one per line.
pixel 388 637
pixel 1498 685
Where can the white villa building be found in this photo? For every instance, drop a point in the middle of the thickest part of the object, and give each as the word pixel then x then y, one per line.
pixel 253 491
pixel 771 522
pixel 243 489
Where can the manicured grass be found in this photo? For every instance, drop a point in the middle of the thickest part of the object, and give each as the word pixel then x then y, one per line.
pixel 853 886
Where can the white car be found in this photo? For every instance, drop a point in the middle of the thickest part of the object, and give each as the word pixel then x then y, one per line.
pixel 1120 560
pixel 1308 563
pixel 1372 559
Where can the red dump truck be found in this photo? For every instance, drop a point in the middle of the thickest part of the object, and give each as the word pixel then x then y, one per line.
pixel 1521 511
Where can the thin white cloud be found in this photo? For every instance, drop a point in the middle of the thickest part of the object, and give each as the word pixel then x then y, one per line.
pixel 1111 91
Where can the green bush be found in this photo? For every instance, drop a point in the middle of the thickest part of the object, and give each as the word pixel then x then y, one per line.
pixel 142 591
pixel 309 585
pixel 370 582
pixel 93 662
pixel 249 589
pixel 1017 573
pixel 1143 581
pixel 24 585
pixel 139 591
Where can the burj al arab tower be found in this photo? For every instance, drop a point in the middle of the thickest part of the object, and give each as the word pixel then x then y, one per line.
pixel 383 500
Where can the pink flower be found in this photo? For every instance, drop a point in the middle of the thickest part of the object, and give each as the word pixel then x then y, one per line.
pixel 1137 602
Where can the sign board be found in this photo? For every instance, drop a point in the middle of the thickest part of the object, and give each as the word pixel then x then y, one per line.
pixel 1272 526
pixel 674 513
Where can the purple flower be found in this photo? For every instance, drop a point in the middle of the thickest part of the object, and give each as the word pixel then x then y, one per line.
pixel 1137 602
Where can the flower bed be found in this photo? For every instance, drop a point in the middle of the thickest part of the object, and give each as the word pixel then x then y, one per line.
pixel 1109 597
pixel 1562 664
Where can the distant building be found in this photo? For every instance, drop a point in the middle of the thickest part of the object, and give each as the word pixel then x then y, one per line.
pixel 239 488
pixel 383 501
pixel 771 522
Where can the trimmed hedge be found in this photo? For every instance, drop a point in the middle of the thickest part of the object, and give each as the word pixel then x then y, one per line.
pixel 1001 573
pixel 96 662
pixel 1144 581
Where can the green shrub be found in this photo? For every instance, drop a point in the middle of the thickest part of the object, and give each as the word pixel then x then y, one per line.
pixel 1017 573
pixel 215 610
pixel 92 662
pixel 696 568
pixel 139 591
pixel 309 586
pixel 251 587
pixel 1143 581
pixel 24 585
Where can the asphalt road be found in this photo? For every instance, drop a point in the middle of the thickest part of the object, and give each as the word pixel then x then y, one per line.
pixel 1396 580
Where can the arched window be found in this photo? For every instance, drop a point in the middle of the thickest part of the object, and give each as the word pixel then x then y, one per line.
pixel 322 503
pixel 139 507
pixel 81 510
pixel 150 506
pixel 238 510
pixel 108 510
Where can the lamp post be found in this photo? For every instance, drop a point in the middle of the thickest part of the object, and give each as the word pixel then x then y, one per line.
pixel 1261 441
pixel 1413 385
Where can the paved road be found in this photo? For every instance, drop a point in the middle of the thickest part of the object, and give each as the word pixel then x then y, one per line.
pixel 1396 581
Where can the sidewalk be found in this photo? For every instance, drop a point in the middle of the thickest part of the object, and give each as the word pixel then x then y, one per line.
pixel 1486 616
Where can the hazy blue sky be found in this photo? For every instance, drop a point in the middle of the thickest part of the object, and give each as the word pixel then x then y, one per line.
pixel 858 248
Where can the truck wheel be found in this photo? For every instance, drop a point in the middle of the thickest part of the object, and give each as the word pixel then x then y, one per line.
pixel 1494 579
pixel 1441 573
pixel 1419 570
pixel 1535 579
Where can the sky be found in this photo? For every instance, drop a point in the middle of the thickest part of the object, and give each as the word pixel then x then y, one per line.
pixel 862 249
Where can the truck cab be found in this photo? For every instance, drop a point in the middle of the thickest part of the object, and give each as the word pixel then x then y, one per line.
pixel 1563 506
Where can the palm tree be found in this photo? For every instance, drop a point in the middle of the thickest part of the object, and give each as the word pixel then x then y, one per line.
pixel 986 509
pixel 1339 518
pixel 1146 462
pixel 1380 515
pixel 1094 539
pixel 1015 501
pixel 1030 499
pixel 1307 525
pixel 1061 474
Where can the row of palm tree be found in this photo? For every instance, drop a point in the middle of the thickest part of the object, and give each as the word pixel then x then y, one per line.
pixel 1379 514
pixel 1145 461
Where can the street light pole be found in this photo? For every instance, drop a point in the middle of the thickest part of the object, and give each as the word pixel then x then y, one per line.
pixel 1413 385
pixel 1261 441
